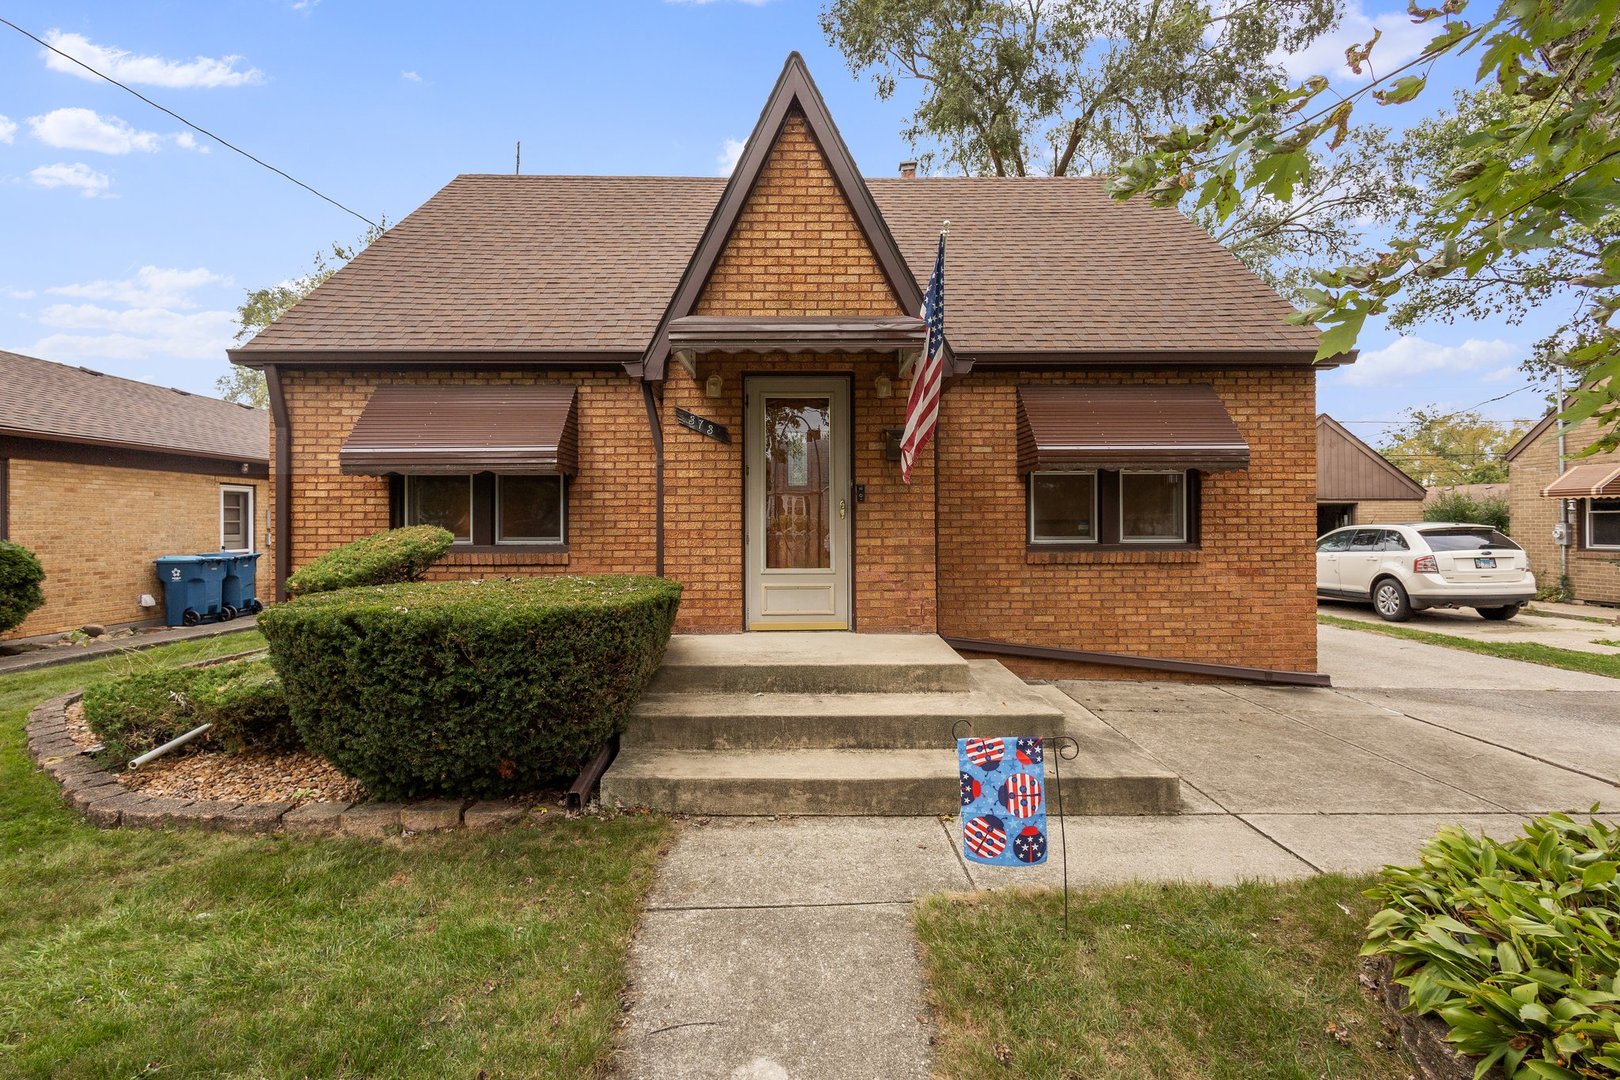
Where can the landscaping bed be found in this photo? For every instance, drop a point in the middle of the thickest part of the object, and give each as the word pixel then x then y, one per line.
pixel 179 952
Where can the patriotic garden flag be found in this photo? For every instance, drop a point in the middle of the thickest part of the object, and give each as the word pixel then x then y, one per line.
pixel 1003 800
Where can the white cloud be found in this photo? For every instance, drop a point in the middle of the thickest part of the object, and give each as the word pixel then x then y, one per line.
pixel 8 128
pixel 85 129
pixel 185 140
pixel 410 76
pixel 1402 40
pixel 305 5
pixel 730 152
pixel 125 66
pixel 150 316
pixel 152 286
pixel 78 176
pixel 1409 358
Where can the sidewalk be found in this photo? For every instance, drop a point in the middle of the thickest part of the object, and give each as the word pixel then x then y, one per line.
pixel 782 949
pixel 72 654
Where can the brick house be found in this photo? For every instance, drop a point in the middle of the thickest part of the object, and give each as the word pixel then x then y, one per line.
pixel 705 378
pixel 1356 485
pixel 1552 494
pixel 101 475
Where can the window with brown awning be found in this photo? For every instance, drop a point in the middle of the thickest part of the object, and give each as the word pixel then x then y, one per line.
pixel 1073 428
pixel 455 430
pixel 1589 480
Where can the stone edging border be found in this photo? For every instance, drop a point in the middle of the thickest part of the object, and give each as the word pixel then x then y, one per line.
pixel 95 793
pixel 1424 1036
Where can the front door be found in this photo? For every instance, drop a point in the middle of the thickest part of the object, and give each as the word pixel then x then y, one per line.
pixel 796 464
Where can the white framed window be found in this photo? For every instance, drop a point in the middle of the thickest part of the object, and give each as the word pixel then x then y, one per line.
pixel 235 517
pixel 1603 524
pixel 445 501
pixel 1063 507
pixel 529 509
pixel 1153 507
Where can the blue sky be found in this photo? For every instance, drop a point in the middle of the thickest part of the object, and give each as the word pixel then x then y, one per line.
pixel 128 241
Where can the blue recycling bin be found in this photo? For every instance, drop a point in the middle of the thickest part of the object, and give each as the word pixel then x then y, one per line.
pixel 238 593
pixel 192 588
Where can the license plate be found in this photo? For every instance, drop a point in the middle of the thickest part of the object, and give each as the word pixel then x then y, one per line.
pixel 1485 564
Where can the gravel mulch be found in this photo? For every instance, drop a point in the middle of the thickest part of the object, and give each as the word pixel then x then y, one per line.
pixel 295 777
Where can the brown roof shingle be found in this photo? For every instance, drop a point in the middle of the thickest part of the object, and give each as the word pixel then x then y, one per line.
pixel 581 265
pixel 40 399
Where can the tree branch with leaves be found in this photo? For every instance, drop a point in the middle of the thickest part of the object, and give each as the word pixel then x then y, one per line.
pixel 1522 197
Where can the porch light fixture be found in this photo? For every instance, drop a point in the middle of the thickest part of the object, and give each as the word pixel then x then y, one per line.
pixel 883 387
pixel 714 386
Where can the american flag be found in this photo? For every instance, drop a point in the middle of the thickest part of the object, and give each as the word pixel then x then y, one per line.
pixel 922 407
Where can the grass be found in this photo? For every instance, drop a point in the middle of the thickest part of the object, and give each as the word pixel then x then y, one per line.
pixel 1529 651
pixel 1163 981
pixel 182 953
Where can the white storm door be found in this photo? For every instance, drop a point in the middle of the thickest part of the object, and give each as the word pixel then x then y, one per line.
pixel 796 458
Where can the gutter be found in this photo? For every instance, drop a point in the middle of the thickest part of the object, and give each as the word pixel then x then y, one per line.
pixel 281 474
pixel 1274 676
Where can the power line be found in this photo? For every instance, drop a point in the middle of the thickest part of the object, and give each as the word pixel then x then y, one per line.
pixel 188 123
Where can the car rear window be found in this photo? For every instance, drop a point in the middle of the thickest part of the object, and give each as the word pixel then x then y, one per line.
pixel 1467 539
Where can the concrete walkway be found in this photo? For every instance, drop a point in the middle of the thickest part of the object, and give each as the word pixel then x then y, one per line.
pixel 782 949
pixel 72 654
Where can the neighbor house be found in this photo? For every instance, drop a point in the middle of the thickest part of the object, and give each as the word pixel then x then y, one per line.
pixel 101 475
pixel 1566 509
pixel 706 378
pixel 1356 485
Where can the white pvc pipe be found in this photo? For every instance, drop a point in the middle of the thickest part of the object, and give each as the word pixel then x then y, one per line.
pixel 172 744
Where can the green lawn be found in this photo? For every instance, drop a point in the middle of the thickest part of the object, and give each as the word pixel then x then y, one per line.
pixel 1188 982
pixel 1532 652
pixel 128 953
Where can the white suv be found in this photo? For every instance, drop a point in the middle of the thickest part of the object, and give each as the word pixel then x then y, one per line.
pixel 1405 568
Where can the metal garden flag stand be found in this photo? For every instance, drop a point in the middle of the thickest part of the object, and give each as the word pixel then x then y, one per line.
pixel 1003 788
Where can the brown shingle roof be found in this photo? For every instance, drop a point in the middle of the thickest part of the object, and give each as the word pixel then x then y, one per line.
pixel 571 264
pixel 43 400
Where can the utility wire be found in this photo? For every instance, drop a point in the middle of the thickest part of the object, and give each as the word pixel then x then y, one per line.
pixel 188 123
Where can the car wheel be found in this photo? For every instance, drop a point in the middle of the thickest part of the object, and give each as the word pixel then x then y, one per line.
pixel 1499 614
pixel 1390 600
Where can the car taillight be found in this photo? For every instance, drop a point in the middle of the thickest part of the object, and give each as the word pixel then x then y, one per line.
pixel 1425 564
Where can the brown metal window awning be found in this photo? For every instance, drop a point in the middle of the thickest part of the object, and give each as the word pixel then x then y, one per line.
pixel 450 430
pixel 1070 428
pixel 1589 480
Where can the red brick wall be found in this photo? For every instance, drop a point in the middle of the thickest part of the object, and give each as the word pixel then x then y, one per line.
pixel 1246 597
pixel 610 503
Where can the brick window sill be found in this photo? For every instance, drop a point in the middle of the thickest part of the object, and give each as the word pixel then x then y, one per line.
pixel 507 557
pixel 1110 556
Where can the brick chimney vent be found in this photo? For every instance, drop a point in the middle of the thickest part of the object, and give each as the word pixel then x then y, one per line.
pixel 908 170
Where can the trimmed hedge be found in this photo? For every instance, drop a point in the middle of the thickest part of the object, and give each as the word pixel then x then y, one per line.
pixel 384 558
pixel 20 575
pixel 469 688
pixel 243 700
pixel 1515 945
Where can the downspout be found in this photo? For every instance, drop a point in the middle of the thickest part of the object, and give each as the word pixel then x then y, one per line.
pixel 657 430
pixel 282 478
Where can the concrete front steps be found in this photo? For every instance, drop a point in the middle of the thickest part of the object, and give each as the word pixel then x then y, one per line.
pixel 759 724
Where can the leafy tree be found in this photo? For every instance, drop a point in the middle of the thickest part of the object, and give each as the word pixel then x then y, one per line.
pixel 1021 87
pixel 1445 449
pixel 1492 510
pixel 1523 202
pixel 261 307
